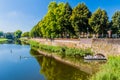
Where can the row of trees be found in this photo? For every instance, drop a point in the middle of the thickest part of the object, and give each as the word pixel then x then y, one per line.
pixel 63 21
pixel 11 35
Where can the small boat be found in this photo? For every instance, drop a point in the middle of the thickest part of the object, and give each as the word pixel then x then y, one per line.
pixel 95 57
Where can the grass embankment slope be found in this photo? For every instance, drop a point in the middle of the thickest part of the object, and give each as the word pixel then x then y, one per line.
pixel 60 50
pixel 110 70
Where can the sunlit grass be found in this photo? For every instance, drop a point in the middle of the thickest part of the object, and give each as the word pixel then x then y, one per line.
pixel 3 39
pixel 109 71
pixel 61 50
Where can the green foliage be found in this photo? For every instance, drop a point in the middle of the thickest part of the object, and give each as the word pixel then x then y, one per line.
pixel 53 49
pixel 77 52
pixel 73 52
pixel 79 18
pixel 116 22
pixel 3 39
pixel 1 33
pixel 35 32
pixel 55 23
pixel 25 34
pixel 109 71
pixel 63 21
pixel 99 21
pixel 17 34
pixel 53 18
pixel 9 35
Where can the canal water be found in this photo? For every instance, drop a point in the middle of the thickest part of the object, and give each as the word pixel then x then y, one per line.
pixel 20 62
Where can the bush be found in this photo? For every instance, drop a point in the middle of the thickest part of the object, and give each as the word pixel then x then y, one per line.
pixel 78 52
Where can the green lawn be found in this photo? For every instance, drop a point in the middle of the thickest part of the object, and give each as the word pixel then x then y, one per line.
pixel 3 39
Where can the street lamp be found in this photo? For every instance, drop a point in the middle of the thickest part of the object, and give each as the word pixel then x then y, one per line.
pixel 87 32
pixel 118 31
pixel 118 27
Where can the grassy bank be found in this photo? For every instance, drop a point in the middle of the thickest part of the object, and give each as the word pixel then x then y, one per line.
pixel 24 40
pixel 3 39
pixel 63 51
pixel 109 71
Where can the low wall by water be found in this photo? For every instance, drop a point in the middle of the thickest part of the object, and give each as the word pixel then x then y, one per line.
pixel 105 46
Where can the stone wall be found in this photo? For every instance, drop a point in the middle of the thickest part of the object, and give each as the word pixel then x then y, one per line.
pixel 106 46
pixel 103 46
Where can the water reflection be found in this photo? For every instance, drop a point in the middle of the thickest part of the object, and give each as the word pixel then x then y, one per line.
pixel 19 42
pixel 17 63
pixel 6 42
pixel 56 70
pixel 12 68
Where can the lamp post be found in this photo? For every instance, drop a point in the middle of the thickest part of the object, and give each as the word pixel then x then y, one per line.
pixel 118 31
pixel 118 27
pixel 87 32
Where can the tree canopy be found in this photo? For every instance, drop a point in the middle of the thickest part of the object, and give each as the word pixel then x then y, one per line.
pixel 25 34
pixel 9 35
pixel 79 18
pixel 62 21
pixel 116 22
pixel 99 21
pixel 17 34
pixel 55 23
pixel 35 32
pixel 1 33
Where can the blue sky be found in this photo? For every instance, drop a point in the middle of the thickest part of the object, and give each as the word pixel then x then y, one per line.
pixel 24 14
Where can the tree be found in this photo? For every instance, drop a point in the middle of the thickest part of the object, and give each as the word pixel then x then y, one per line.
pixel 9 35
pixel 55 23
pixel 50 26
pixel 65 20
pixel 79 18
pixel 17 34
pixel 25 34
pixel 116 22
pixel 1 33
pixel 55 15
pixel 99 21
pixel 35 31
